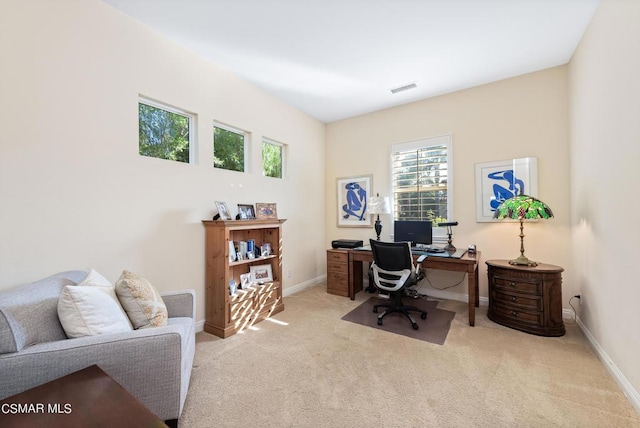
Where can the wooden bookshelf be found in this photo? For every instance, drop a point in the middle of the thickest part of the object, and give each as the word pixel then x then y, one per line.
pixel 227 314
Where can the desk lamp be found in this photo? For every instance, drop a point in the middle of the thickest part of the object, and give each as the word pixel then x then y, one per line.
pixel 522 207
pixel 378 205
pixel 449 247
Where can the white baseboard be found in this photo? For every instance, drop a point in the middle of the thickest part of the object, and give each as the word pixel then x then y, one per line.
pixel 299 287
pixel 627 389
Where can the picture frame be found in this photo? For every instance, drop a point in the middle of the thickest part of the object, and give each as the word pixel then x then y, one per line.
pixel 261 274
pixel 265 250
pixel 246 212
pixel 245 281
pixel 223 211
pixel 266 211
pixel 501 180
pixel 353 194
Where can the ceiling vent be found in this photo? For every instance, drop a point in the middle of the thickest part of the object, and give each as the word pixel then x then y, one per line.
pixel 404 88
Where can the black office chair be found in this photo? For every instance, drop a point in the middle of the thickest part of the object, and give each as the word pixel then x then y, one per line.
pixel 393 271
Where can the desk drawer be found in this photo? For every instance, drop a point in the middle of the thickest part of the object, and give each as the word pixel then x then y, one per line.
pixel 337 283
pixel 337 267
pixel 337 256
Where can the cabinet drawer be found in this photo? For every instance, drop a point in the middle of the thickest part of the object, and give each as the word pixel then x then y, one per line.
pixel 337 283
pixel 533 303
pixel 514 313
pixel 336 267
pixel 335 256
pixel 506 283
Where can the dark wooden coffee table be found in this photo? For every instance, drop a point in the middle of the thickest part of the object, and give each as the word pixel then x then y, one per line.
pixel 86 398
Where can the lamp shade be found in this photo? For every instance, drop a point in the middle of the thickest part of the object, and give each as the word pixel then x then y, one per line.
pixel 523 207
pixel 379 205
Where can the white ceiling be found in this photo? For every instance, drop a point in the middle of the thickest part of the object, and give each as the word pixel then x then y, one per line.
pixel 339 58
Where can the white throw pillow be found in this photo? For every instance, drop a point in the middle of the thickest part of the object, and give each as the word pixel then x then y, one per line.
pixel 87 311
pixel 141 301
pixel 95 279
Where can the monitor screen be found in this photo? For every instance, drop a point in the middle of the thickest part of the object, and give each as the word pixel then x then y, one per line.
pixel 414 231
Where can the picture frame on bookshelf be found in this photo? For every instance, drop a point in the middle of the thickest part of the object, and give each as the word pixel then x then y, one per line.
pixel 232 252
pixel 246 212
pixel 245 281
pixel 266 211
pixel 233 287
pixel 261 273
pixel 223 211
pixel 265 250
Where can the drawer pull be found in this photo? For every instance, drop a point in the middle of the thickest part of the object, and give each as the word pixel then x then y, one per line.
pixel 513 298
pixel 514 313
pixel 513 284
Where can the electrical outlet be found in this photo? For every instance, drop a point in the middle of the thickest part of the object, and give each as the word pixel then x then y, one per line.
pixel 579 297
pixel 289 273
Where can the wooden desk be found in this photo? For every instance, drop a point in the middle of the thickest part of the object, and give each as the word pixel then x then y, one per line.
pixel 467 263
pixel 86 398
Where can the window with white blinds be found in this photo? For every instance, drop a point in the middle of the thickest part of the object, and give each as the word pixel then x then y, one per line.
pixel 421 180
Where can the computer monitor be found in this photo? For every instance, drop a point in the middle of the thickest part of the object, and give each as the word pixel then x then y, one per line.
pixel 414 231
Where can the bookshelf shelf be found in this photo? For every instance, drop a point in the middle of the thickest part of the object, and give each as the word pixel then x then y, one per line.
pixel 257 260
pixel 226 314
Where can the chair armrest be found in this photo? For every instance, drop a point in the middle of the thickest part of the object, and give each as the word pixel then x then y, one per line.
pixel 422 258
pixel 180 303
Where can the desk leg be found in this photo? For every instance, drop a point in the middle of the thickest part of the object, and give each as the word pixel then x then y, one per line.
pixel 355 278
pixel 474 298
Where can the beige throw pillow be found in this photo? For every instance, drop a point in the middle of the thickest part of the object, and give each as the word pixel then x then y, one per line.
pixel 141 301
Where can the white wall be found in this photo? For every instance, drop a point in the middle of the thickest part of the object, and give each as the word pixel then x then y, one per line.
pixel 74 192
pixel 520 117
pixel 604 77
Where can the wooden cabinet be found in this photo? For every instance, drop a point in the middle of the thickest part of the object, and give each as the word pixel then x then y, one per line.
pixel 338 272
pixel 227 314
pixel 526 298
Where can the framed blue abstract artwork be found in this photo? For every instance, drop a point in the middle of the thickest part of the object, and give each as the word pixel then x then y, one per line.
pixel 353 193
pixel 501 180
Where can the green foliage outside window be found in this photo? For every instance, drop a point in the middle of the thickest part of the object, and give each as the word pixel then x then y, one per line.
pixel 272 159
pixel 228 149
pixel 163 134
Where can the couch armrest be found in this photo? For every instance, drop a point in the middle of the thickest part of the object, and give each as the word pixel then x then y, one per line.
pixel 145 362
pixel 180 303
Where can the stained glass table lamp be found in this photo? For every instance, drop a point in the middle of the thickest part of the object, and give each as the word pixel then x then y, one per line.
pixel 522 207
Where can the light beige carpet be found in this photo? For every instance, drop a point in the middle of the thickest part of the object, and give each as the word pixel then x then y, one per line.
pixel 309 368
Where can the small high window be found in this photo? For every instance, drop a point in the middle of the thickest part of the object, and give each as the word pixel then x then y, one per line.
pixel 272 158
pixel 165 132
pixel 229 147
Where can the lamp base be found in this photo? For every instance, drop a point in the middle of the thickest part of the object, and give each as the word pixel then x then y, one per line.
pixel 522 261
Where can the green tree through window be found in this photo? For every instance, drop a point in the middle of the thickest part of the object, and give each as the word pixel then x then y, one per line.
pixel 272 158
pixel 228 149
pixel 163 134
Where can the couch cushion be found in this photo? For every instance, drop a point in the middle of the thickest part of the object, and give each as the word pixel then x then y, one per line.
pixel 28 313
pixel 141 301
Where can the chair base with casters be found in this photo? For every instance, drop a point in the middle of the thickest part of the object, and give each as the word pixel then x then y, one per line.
pixel 393 271
pixel 396 305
